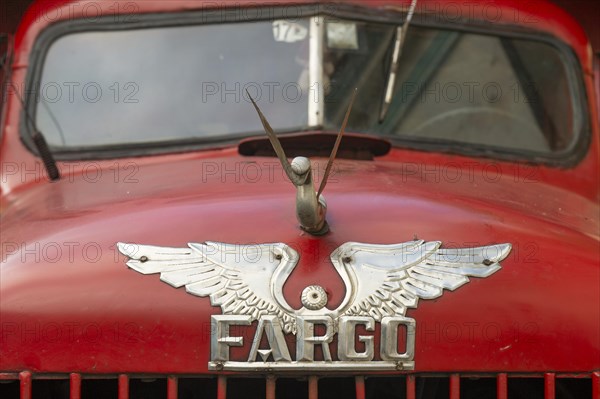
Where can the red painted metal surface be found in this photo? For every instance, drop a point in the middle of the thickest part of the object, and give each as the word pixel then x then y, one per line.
pixel 222 387
pixel 25 384
pixel 271 385
pixel 360 387
pixel 454 386
pixel 410 387
pixel 549 386
pixel 172 384
pixel 75 386
pixel 123 386
pixel 70 303
pixel 596 385
pixel 502 386
pixel 313 387
pixel 107 310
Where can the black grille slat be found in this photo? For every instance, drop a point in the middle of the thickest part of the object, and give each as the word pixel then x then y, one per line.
pixel 433 387
pixel 148 388
pixel 342 387
pixel 99 389
pixel 50 389
pixel 197 388
pixel 291 388
pixel 250 388
pixel 385 387
pixel 526 388
pixel 573 388
pixel 9 389
pixel 476 388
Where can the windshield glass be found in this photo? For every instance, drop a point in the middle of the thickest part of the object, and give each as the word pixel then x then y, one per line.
pixel 167 84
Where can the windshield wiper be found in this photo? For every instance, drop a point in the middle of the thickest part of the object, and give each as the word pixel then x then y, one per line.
pixel 36 137
pixel 398 44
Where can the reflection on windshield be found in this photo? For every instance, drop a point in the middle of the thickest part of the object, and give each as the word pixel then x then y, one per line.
pixel 174 83
pixel 171 83
pixel 461 87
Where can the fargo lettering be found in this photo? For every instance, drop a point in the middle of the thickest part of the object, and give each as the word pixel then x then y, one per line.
pixel 314 331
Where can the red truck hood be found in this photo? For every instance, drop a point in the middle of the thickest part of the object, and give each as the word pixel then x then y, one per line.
pixel 69 302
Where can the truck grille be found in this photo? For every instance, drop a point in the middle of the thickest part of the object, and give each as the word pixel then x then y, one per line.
pixel 25 385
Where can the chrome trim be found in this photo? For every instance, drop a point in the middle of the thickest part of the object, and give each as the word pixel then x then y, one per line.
pixel 311 366
pixel 316 91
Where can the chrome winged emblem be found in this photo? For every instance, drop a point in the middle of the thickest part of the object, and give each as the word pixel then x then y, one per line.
pixel 381 281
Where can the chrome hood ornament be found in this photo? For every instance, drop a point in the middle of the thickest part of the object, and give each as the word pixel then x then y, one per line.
pixel 381 281
pixel 311 207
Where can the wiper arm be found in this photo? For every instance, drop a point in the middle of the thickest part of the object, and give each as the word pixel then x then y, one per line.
pixel 36 137
pixel 398 44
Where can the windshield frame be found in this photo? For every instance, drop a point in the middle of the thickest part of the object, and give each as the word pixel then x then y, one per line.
pixel 569 157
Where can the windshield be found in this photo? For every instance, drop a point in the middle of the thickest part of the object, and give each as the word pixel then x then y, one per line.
pixel 190 83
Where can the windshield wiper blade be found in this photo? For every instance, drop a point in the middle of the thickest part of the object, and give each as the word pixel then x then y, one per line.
pixel 38 140
pixel 398 44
